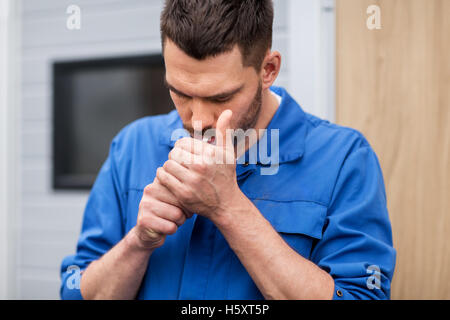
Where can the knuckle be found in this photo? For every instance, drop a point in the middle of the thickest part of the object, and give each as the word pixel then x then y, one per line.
pixel 185 141
pixel 145 207
pixel 168 164
pixel 142 206
pixel 148 189
pixel 160 174
pixel 201 167
pixel 187 194
pixel 181 142
pixel 171 228
pixel 173 152
pixel 180 217
pixel 150 223
pixel 178 143
pixel 197 180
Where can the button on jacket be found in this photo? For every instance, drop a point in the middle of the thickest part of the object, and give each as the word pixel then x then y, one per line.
pixel 327 200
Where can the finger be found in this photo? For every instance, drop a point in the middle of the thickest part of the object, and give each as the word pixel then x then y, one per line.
pixel 160 226
pixel 161 193
pixel 177 170
pixel 169 212
pixel 170 182
pixel 194 146
pixel 184 157
pixel 192 161
pixel 222 125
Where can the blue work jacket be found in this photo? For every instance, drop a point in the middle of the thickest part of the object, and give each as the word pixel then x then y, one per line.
pixel 326 198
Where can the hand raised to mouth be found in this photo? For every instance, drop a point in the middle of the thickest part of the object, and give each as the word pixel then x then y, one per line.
pixel 201 175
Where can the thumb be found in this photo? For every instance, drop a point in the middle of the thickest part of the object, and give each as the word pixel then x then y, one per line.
pixel 223 123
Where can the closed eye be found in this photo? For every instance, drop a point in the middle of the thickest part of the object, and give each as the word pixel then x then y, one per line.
pixel 221 100
pixel 218 99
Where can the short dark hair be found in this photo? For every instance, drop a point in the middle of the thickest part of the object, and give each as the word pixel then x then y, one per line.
pixel 207 28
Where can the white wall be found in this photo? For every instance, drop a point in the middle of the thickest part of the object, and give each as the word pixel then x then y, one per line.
pixel 4 11
pixel 312 49
pixel 9 109
pixel 51 220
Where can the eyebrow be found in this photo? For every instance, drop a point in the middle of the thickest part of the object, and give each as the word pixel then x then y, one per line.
pixel 221 95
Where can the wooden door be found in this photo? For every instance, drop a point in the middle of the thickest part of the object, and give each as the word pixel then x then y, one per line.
pixel 393 84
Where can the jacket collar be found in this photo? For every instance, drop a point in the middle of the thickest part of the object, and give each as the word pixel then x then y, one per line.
pixel 289 119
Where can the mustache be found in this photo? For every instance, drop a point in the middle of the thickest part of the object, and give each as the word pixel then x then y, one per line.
pixel 200 133
pixel 208 134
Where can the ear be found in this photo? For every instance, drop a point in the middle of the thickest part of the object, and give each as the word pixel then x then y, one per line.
pixel 270 68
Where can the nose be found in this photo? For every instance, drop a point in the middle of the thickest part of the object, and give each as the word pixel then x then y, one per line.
pixel 202 115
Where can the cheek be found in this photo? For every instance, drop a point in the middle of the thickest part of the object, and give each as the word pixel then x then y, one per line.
pixel 182 107
pixel 240 106
pixel 175 99
pixel 185 115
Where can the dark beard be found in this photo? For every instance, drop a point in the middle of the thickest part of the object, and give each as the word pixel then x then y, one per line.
pixel 251 116
pixel 248 121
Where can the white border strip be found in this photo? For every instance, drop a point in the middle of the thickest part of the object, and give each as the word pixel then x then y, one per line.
pixel 4 241
pixel 9 107
pixel 312 55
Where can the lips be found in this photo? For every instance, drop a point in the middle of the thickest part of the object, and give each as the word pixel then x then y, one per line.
pixel 210 140
pixel 209 137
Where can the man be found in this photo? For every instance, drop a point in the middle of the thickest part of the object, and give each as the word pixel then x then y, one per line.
pixel 179 220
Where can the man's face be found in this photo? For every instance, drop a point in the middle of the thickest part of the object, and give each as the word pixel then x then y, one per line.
pixel 202 90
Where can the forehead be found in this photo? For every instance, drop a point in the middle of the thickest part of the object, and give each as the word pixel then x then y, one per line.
pixel 200 77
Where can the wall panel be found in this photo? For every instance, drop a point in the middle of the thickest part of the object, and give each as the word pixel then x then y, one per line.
pixel 393 84
pixel 51 220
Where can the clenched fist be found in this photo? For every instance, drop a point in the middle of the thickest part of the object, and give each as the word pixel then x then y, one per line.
pixel 202 176
pixel 160 214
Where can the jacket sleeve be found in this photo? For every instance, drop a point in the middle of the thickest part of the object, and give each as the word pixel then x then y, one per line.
pixel 102 226
pixel 356 248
